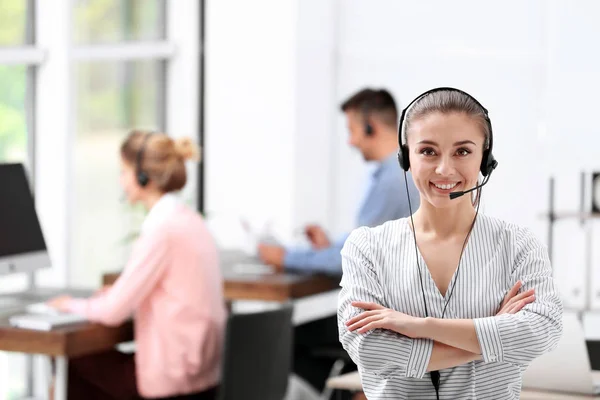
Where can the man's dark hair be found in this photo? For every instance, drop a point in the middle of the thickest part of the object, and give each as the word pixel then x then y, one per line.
pixel 373 103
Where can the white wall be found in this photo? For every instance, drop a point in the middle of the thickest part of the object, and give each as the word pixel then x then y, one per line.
pixel 573 140
pixel 316 111
pixel 269 114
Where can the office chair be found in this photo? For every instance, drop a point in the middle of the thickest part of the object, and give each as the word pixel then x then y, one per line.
pixel 257 355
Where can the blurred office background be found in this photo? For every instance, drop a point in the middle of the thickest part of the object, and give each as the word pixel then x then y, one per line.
pixel 258 85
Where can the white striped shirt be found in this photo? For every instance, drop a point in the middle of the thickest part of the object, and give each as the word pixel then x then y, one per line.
pixel 379 266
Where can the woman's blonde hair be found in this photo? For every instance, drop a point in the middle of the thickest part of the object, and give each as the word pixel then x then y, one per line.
pixel 159 157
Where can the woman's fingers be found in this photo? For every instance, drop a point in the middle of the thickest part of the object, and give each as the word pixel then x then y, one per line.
pixel 522 303
pixel 370 309
pixel 373 325
pixel 521 296
pixel 516 302
pixel 512 292
pixel 360 316
pixel 518 306
pixel 364 321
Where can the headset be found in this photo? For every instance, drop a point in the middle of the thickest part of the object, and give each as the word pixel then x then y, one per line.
pixel 366 110
pixel 141 176
pixel 488 164
pixel 368 129
pixel 367 107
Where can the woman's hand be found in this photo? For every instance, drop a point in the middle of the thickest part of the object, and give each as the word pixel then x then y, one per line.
pixel 379 317
pixel 60 303
pixel 514 302
pixel 102 290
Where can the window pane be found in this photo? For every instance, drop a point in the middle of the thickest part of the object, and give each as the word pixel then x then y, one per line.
pixel 13 22
pixel 112 98
pixel 13 128
pixel 104 21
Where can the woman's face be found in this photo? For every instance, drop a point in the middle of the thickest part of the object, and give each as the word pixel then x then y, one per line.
pixel 445 152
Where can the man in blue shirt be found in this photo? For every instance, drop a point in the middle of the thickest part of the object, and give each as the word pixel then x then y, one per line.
pixel 372 120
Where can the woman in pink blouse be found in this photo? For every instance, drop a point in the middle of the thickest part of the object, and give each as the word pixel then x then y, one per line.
pixel 171 285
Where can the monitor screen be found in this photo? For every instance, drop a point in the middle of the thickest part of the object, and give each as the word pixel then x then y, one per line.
pixel 21 238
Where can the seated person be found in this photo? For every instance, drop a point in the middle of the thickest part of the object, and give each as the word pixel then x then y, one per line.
pixel 372 121
pixel 172 285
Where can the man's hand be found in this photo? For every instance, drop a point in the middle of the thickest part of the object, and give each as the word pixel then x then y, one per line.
pixel 514 302
pixel 317 236
pixel 272 255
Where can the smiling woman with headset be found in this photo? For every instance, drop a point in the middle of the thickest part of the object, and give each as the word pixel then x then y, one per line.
pixel 447 303
pixel 171 284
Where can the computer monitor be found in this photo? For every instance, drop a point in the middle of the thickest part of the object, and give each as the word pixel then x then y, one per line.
pixel 22 244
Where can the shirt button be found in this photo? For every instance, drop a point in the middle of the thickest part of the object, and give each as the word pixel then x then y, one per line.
pixel 493 357
pixel 413 373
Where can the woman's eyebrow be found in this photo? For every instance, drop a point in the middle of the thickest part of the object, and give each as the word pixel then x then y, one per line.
pixel 460 143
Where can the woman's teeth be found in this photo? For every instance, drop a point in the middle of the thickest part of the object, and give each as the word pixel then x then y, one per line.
pixel 445 187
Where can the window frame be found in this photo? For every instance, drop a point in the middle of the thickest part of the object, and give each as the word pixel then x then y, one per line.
pixel 50 53
pixel 57 55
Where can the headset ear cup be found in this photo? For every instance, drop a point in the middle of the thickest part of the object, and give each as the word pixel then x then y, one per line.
pixel 484 163
pixel 403 159
pixel 142 179
pixel 488 163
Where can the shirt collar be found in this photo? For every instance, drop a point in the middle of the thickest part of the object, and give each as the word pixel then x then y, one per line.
pixel 163 208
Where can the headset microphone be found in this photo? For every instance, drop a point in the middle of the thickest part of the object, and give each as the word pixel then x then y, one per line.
pixel 454 195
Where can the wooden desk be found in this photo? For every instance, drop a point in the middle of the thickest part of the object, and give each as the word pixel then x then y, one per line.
pixel 351 382
pixel 268 287
pixel 73 341
pixel 62 344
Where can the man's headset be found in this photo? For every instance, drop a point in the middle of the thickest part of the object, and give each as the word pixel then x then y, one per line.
pixel 369 106
pixel 141 176
pixel 488 164
pixel 366 111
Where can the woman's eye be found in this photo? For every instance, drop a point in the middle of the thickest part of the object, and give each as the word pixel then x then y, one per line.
pixel 428 151
pixel 463 152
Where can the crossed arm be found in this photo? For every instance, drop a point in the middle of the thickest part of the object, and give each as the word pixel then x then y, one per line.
pixel 455 341
pixel 387 342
